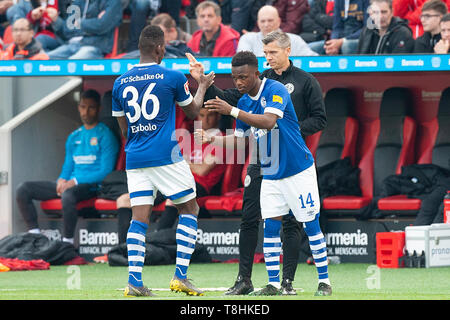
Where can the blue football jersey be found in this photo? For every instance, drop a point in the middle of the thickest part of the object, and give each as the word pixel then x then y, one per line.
pixel 146 95
pixel 282 150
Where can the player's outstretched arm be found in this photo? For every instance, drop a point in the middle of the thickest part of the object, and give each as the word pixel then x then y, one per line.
pixel 230 141
pixel 192 110
pixel 260 121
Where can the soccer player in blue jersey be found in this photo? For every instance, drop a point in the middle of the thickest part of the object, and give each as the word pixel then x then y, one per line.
pixel 287 166
pixel 143 100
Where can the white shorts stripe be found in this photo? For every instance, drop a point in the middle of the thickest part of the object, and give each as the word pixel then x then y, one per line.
pixel 187 229
pixel 136 236
pixel 141 201
pixel 272 240
pixel 182 262
pixel 136 258
pixel 184 238
pixel 135 247
pixel 316 237
pixel 134 269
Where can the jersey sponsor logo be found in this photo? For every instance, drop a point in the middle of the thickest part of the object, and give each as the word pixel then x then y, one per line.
pixel 89 159
pixel 277 98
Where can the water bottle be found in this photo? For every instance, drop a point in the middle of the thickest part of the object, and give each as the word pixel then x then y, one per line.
pixel 447 207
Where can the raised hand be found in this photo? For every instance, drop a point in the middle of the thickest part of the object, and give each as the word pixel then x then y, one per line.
pixel 206 80
pixel 196 69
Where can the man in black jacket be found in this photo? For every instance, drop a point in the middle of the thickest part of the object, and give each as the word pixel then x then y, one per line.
pixel 307 98
pixel 432 13
pixel 384 33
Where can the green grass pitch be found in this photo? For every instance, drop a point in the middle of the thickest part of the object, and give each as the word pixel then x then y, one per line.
pixel 102 282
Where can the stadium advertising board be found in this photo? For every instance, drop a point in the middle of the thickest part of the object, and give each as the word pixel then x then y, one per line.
pixel 108 67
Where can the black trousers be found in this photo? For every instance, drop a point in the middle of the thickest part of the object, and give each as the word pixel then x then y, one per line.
pixel 46 190
pixel 251 217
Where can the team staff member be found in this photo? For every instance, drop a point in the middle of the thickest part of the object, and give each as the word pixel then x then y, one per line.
pixel 307 98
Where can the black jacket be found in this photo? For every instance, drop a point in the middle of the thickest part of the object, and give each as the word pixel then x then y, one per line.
pixel 397 39
pixel 306 95
pixel 426 43
pixel 316 24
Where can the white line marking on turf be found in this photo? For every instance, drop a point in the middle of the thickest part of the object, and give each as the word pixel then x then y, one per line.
pixel 207 289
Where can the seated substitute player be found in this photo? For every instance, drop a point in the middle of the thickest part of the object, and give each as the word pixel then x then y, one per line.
pixel 143 100
pixel 91 152
pixel 287 166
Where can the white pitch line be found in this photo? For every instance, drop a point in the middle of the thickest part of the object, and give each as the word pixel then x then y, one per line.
pixel 207 289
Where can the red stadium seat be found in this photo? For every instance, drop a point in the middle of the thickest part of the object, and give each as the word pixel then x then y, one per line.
pixel 434 147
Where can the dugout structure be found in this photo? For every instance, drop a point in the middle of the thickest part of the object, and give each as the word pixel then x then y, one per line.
pixel 32 138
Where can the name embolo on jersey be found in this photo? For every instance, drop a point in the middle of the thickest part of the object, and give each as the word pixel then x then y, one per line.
pixel 146 95
pixel 282 150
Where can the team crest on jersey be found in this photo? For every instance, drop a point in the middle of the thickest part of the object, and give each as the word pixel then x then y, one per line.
pixel 277 99
pixel 94 141
pixel 263 102
pixel 290 87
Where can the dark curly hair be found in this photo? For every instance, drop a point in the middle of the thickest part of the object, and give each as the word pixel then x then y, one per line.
pixel 244 57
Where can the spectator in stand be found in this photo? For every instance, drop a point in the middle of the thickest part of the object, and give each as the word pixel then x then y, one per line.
pixel 432 13
pixel 349 18
pixel 38 15
pixel 175 38
pixel 24 45
pixel 318 22
pixel 384 33
pixel 236 13
pixel 411 10
pixel 91 153
pixel 89 32
pixel 443 46
pixel 214 39
pixel 268 21
pixel 141 10
pixel 291 14
pixel 4 6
